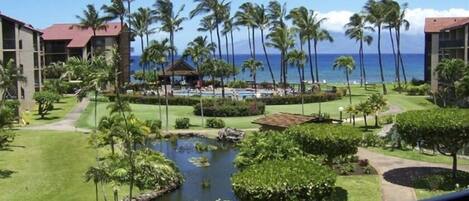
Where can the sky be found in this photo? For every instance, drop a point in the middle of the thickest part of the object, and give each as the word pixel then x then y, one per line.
pixel 48 12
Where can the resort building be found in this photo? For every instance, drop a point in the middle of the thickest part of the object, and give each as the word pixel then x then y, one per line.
pixel 63 41
pixel 22 44
pixel 444 38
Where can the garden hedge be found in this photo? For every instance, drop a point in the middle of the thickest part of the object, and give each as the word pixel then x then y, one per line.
pixel 215 123
pixel 296 99
pixel 153 100
pixel 230 108
pixel 327 140
pixel 298 179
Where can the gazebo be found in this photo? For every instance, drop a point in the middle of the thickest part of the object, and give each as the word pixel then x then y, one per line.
pixel 182 73
pixel 282 121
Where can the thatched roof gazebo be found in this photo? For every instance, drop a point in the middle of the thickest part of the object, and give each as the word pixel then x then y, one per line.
pixel 182 70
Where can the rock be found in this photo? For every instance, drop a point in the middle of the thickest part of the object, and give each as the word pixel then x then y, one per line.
pixel 230 134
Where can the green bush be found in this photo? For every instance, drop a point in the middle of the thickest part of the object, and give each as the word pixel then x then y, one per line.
pixel 45 101
pixel 153 100
pixel 154 125
pixel 441 182
pixel 328 140
pixel 182 123
pixel 296 179
pixel 371 140
pixel 296 99
pixel 215 123
pixel 230 108
pixel 259 147
pixel 238 84
pixel 419 90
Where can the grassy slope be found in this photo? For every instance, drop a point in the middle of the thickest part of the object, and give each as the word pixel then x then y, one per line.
pixel 416 155
pixel 357 188
pixel 61 109
pixel 47 166
pixel 359 94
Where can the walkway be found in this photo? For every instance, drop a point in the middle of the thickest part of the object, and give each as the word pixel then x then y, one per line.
pixel 396 174
pixel 67 123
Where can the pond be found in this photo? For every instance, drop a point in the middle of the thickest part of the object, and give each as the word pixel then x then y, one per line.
pixel 217 174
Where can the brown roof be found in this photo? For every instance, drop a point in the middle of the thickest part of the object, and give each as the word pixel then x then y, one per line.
pixel 284 120
pixel 180 68
pixel 28 26
pixel 437 24
pixel 78 36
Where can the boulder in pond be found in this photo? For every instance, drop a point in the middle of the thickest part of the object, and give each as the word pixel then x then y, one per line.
pixel 230 134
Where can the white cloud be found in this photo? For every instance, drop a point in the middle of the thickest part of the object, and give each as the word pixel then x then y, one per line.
pixel 416 17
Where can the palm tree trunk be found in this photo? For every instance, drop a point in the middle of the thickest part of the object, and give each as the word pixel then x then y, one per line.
pixel 171 37
pixel 376 120
pixel 222 82
pixel 143 65
pixel 362 57
pixel 219 41
pixel 255 84
pixel 227 47
pixel 399 55
pixel 166 100
pixel 301 91
pixel 348 86
pixel 284 73
pixel 158 92
pixel 253 30
pixel 396 61
pixel 316 60
pixel 381 61
pixel 96 110
pixel 249 38
pixel 211 41
pixel 310 59
pixel 233 55
pixel 361 63
pixel 267 58
pixel 96 189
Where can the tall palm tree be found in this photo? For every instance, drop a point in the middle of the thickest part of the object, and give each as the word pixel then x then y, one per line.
pixel 281 38
pixel 92 20
pixel 158 52
pixel 208 24
pixel 116 10
pixel 393 11
pixel 277 13
pixel 297 58
pixel 318 36
pixel 141 21
pixel 245 18
pixel 262 21
pixel 399 23
pixel 348 65
pixel 229 26
pixel 170 23
pixel 356 29
pixel 222 70
pixel 10 75
pixel 253 66
pixel 376 15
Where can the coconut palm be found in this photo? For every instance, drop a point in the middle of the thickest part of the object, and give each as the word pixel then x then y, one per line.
pixel 297 58
pixel 318 36
pixel 229 26
pixel 377 103
pixel 92 20
pixel 352 110
pixel 392 13
pixel 111 129
pixel 170 23
pixel 222 70
pixel 97 175
pixel 365 109
pixel 208 24
pixel 401 22
pixel 141 21
pixel 116 10
pixel 157 52
pixel 245 18
pixel 253 66
pixel 262 21
pixel 376 15
pixel 277 13
pixel 10 75
pixel 356 29
pixel 449 71
pixel 348 65
pixel 281 38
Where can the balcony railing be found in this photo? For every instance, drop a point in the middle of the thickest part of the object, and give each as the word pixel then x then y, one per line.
pixel 9 44
pixel 451 43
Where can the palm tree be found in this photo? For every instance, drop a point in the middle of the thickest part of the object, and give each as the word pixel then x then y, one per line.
pixel 229 26
pixel 356 29
pixel 348 65
pixel 277 13
pixel 352 110
pixel 92 20
pixel 281 38
pixel 262 21
pixel 377 103
pixel 401 22
pixel 392 13
pixel 116 10
pixel 365 109
pixel 207 24
pixel 297 58
pixel 170 23
pixel 222 69
pixel 376 15
pixel 141 21
pixel 10 75
pixel 449 71
pixel 97 175
pixel 158 52
pixel 245 18
pixel 253 66
pixel 318 36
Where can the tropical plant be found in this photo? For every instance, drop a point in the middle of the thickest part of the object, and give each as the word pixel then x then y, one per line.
pixel 449 71
pixel 116 10
pixel 297 58
pixel 110 128
pixel 10 75
pixel 377 103
pixel 207 24
pixel 365 109
pixel 45 101
pixel 353 111
pixel 318 36
pixel 245 17
pixel 91 19
pixel 376 14
pixel 281 38
pixel 356 29
pixel 347 63
pixel 253 66
pixel 97 175
pixel 141 21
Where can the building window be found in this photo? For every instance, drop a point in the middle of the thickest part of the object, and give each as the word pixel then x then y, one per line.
pixel 21 68
pixel 36 60
pixel 35 41
pixel 21 44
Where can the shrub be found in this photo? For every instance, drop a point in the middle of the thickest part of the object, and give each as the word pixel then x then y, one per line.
pixel 419 90
pixel 295 99
pixel 45 101
pixel 445 129
pixel 182 123
pixel 258 147
pixel 345 168
pixel 371 140
pixel 298 179
pixel 215 123
pixel 238 84
pixel 230 108
pixel 153 100
pixel 154 125
pixel 441 181
pixel 328 140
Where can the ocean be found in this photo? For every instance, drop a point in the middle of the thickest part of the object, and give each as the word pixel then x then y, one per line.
pixel 414 67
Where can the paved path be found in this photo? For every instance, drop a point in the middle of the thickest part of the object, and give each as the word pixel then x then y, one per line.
pixel 396 174
pixel 67 123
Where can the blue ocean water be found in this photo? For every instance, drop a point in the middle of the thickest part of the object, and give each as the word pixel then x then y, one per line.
pixel 414 67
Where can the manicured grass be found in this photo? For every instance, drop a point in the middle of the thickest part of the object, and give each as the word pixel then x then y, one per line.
pixel 47 165
pixel 357 188
pixel 416 155
pixel 66 104
pixel 424 194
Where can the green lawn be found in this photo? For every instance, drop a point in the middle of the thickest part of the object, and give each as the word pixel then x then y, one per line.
pixel 66 104
pixel 416 155
pixel 424 194
pixel 359 94
pixel 357 188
